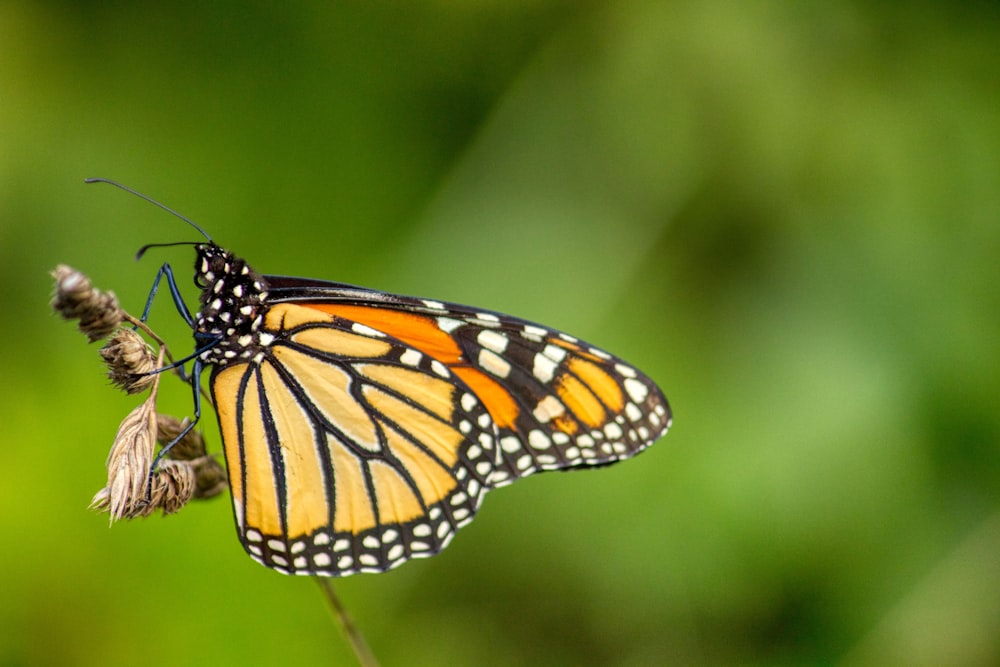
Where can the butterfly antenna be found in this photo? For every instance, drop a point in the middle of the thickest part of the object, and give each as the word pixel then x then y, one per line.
pixel 151 201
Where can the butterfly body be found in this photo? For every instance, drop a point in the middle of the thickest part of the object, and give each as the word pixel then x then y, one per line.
pixel 362 429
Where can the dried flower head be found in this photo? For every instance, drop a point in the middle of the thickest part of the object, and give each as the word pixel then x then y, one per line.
pixel 186 473
pixel 77 299
pixel 129 463
pixel 191 446
pixel 130 361
pixel 173 486
pixel 210 476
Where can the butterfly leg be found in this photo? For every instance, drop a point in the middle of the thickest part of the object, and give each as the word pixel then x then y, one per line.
pixel 195 380
pixel 167 271
pixel 182 308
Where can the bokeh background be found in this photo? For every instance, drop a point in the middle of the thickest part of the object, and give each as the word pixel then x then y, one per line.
pixel 785 212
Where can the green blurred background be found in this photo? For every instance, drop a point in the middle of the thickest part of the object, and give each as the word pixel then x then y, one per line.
pixel 785 212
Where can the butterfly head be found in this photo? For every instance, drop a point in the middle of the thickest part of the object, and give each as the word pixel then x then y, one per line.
pixel 232 296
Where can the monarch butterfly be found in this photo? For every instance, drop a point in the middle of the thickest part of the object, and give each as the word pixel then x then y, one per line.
pixel 362 429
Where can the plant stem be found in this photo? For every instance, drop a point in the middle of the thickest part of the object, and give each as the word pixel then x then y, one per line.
pixel 358 644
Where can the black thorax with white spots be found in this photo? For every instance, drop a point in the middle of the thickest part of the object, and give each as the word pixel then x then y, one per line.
pixel 232 300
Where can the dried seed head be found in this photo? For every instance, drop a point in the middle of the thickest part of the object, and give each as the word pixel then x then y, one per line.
pixel 101 501
pixel 186 473
pixel 173 486
pixel 76 299
pixel 130 361
pixel 210 477
pixel 190 447
pixel 128 464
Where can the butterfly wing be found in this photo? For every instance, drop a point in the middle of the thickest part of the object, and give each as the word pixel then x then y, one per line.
pixel 556 402
pixel 362 429
pixel 348 449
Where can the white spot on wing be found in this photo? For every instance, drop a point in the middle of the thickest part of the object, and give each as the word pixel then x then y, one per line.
pixel 492 340
pixel 365 330
pixel 447 324
pixel 544 368
pixel 411 357
pixel 538 440
pixel 554 352
pixel 548 408
pixel 636 390
pixel 626 371
pixel 494 364
pixel 510 444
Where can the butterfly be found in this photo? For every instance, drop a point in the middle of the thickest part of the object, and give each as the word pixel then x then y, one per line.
pixel 362 429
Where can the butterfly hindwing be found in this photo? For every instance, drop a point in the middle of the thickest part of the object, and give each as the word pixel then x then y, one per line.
pixel 348 450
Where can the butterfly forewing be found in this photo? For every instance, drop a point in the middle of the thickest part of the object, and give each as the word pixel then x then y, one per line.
pixel 556 401
pixel 576 404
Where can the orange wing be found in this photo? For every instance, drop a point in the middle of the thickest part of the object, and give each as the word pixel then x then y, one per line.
pixel 556 402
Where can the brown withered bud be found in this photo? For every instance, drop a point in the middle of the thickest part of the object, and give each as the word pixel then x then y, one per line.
pixel 128 465
pixel 131 491
pixel 173 487
pixel 76 298
pixel 210 476
pixel 130 361
pixel 190 447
